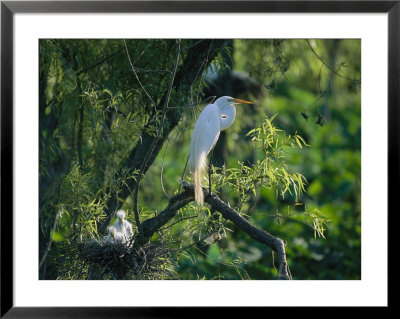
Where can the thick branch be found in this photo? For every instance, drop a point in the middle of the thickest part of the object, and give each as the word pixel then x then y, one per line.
pixel 152 225
pixel 258 234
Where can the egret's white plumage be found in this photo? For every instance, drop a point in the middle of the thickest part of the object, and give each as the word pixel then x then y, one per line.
pixel 121 231
pixel 116 236
pixel 213 119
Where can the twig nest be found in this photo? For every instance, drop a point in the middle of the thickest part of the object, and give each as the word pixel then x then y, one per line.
pixel 116 260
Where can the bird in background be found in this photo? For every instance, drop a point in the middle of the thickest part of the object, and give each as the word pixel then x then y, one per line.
pixel 214 118
pixel 121 231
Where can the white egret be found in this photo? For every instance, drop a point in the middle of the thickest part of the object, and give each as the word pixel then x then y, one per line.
pixel 213 119
pixel 121 231
pixel 115 236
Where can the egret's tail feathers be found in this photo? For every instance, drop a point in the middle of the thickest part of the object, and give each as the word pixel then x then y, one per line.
pixel 198 190
pixel 198 176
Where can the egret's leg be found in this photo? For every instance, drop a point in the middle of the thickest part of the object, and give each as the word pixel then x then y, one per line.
pixel 209 172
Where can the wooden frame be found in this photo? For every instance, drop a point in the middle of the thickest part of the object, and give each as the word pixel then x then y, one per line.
pixel 9 8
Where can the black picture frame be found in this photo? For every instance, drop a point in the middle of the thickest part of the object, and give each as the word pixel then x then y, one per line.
pixel 9 8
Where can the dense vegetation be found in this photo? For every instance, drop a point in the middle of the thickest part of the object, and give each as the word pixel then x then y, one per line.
pixel 116 117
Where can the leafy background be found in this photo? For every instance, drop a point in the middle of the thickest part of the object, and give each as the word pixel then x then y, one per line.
pixel 93 111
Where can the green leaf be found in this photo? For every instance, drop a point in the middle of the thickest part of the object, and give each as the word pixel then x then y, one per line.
pixel 56 236
pixel 108 92
pixel 298 141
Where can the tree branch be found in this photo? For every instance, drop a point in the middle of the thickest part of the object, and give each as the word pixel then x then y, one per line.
pixel 152 225
pixel 258 234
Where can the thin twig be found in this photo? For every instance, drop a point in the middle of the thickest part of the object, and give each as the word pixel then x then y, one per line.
pixel 202 73
pixel 273 261
pixel 139 70
pixel 290 274
pixel 192 45
pixel 144 50
pixel 99 62
pixel 328 66
pixel 201 69
pixel 291 218
pixel 178 221
pixel 192 105
pixel 202 238
pixel 183 174
pixel 137 77
pixel 279 63
pixel 162 170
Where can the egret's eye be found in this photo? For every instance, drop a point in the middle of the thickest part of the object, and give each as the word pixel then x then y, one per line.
pixel 224 116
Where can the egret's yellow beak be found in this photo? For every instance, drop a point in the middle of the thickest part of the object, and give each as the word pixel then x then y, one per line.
pixel 242 101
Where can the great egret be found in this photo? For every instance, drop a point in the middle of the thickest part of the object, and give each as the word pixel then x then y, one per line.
pixel 121 230
pixel 213 119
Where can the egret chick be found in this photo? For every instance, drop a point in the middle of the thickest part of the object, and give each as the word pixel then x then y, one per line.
pixel 115 236
pixel 123 227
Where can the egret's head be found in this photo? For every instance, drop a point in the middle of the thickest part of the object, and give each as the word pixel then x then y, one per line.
pixel 121 215
pixel 227 100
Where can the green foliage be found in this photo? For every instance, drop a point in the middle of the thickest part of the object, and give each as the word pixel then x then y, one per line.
pixel 270 169
pixel 326 111
pixel 292 161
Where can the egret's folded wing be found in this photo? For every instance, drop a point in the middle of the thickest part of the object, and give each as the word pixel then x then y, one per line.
pixel 205 134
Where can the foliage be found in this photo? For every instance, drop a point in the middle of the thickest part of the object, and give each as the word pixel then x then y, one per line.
pixel 292 161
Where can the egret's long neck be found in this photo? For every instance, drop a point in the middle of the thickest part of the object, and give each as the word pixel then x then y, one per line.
pixel 228 114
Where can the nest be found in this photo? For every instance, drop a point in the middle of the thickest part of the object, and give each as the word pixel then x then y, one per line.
pixel 109 260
